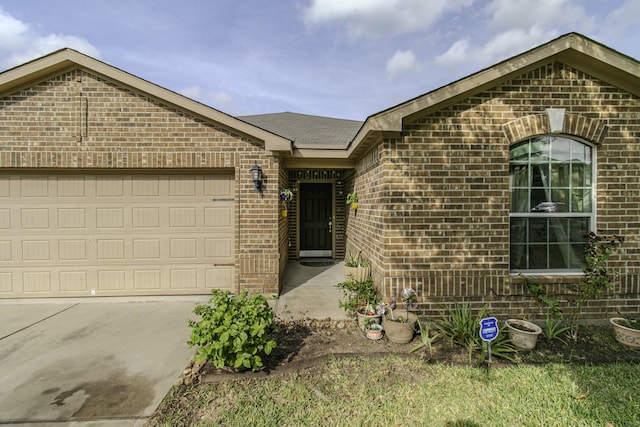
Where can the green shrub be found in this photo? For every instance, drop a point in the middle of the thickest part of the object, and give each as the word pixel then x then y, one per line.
pixel 463 328
pixel 357 293
pixel 234 330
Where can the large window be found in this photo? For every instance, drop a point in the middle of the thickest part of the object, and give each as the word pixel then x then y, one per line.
pixel 551 184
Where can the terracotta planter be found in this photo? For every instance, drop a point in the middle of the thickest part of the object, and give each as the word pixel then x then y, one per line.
pixel 373 318
pixel 399 332
pixel 373 332
pixel 357 274
pixel 627 336
pixel 521 338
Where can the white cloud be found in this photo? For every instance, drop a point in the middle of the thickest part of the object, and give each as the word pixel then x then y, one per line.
pixel 402 61
pixel 626 16
pixel 11 31
pixel 218 100
pixel 499 47
pixel 39 46
pixel 508 14
pixel 20 44
pixel 457 53
pixel 374 18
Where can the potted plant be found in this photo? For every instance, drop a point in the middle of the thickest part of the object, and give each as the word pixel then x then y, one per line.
pixel 356 267
pixel 523 334
pixel 372 330
pixel 286 195
pixel 358 294
pixel 352 199
pixel 369 313
pixel 627 330
pixel 400 327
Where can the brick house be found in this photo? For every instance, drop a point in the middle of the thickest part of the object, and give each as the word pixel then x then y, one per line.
pixel 116 186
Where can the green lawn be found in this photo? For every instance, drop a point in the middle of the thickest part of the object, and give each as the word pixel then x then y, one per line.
pixel 408 392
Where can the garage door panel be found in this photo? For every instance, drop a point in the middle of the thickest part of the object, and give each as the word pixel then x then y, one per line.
pixel 73 281
pixel 75 235
pixel 36 282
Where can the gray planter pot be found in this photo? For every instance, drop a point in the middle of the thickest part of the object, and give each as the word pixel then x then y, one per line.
pixel 525 340
pixel 399 332
pixel 624 335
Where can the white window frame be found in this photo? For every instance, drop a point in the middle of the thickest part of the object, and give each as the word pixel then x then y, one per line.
pixel 592 215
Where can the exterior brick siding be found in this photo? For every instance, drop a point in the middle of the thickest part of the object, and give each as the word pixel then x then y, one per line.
pixel 434 210
pixel 80 121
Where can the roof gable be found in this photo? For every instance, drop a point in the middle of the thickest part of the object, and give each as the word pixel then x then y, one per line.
pixel 571 49
pixel 68 59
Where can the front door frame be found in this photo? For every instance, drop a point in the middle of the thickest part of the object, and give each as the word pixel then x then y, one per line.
pixel 321 253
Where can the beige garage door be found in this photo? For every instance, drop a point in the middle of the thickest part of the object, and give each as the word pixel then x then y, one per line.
pixel 81 235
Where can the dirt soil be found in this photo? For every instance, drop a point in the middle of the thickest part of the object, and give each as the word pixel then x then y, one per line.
pixel 305 343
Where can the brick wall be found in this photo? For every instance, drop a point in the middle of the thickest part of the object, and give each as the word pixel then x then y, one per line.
pixel 80 121
pixel 440 221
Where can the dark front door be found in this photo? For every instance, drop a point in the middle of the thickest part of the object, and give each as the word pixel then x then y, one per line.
pixel 316 224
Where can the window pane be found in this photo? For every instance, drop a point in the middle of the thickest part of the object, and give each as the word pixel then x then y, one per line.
pixel 538 230
pixel 560 199
pixel 578 229
pixel 520 200
pixel 520 153
pixel 538 257
pixel 558 256
pixel 560 175
pixel 561 150
pixel 581 200
pixel 580 175
pixel 558 230
pixel 519 175
pixel 540 149
pixel 577 256
pixel 580 153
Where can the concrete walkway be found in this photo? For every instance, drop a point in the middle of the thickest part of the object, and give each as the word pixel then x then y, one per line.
pixel 309 291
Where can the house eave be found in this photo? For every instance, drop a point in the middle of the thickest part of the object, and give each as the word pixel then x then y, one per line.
pixel 571 49
pixel 68 59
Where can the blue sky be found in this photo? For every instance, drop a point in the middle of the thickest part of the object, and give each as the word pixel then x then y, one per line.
pixel 336 58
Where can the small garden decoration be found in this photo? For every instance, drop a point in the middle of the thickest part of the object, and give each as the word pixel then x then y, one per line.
pixel 401 328
pixel 286 196
pixel 352 199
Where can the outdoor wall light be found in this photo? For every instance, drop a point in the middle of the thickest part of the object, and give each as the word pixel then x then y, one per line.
pixel 257 176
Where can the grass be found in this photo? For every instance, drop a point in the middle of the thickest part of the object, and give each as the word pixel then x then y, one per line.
pixel 401 392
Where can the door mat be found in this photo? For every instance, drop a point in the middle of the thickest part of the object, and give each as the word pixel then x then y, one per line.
pixel 317 263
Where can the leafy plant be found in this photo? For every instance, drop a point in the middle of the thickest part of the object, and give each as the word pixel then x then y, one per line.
pixel 629 322
pixel 358 260
pixel 286 195
pixel 357 293
pixel 427 339
pixel 463 328
pixel 554 329
pixel 352 198
pixel 234 330
pixel 554 325
pixel 597 278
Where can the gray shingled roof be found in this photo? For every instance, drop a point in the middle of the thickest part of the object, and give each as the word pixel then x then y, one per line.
pixel 307 131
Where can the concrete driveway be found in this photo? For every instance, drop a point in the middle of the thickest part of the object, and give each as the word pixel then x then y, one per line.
pixel 90 363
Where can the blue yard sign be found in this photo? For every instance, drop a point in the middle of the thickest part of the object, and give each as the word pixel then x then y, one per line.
pixel 488 328
pixel 488 332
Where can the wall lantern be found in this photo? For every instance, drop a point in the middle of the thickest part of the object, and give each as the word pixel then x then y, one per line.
pixel 257 176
